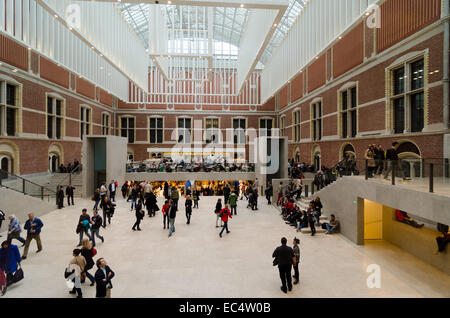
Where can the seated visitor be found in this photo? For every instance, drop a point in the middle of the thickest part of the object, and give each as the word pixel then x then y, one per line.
pixel 405 218
pixel 331 227
pixel 443 239
pixel 303 221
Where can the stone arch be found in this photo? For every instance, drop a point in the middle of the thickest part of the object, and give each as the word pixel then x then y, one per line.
pixel 316 156
pixel 55 156
pixel 9 155
pixel 411 157
pixel 346 148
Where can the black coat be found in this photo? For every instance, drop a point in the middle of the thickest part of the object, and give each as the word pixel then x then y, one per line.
pixel 69 190
pixel 100 284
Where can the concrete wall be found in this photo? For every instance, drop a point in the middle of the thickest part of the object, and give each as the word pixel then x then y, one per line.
pixel 193 176
pixel 345 198
pixel 13 202
pixel 87 161
pixel 419 242
pixel 116 159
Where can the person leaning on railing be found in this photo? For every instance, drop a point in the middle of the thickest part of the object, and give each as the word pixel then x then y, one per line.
pixel 392 158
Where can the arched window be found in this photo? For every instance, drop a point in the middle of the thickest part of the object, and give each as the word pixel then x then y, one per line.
pixel 9 157
pixel 53 162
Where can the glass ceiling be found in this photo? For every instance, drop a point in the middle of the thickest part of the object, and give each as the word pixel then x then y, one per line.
pixel 228 22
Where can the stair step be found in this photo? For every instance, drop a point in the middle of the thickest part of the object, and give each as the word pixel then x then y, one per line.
pixel 307 230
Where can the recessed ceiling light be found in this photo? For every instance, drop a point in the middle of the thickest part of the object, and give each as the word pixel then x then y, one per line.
pixel 15 70
pixel 169 2
pixel 242 5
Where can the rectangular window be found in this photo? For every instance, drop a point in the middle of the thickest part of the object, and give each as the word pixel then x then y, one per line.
pixel 239 127
pixel 212 130
pixel 408 102
pixel 127 128
pixel 8 109
pixel 417 119
pixel 156 130
pixel 184 130
pixel 349 113
pixel 417 75
pixel 317 121
pixel 105 124
pixel 297 126
pixel 85 121
pixel 54 118
pixel 283 126
pixel 399 81
pixel 399 116
pixel 265 127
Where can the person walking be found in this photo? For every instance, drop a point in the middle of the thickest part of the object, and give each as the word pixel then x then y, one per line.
pixel 196 196
pixel 226 193
pixel 233 202
pixel 166 190
pixel 2 218
pixel 217 212
pixel 172 215
pixel 311 218
pixel 108 209
pixel 284 258
pixel 14 230
pixel 296 250
pixel 103 277
pixel 391 160
pixel 69 194
pixel 97 198
pixel 225 214
pixel 151 203
pixel 33 226
pixel 88 252
pixel 165 212
pixel 103 190
pixel 9 262
pixel 188 206
pixel 83 226
pixel 139 216
pixel 112 190
pixel 269 192
pixel 76 265
pixel 96 222
pixel 60 197
pixel 174 196
pixel 124 189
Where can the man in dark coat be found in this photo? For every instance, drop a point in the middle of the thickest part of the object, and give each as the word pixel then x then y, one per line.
pixel 103 277
pixel 60 197
pixel 69 193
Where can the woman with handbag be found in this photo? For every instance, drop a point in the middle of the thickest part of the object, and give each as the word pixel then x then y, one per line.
pixel 88 253
pixel 10 263
pixel 76 265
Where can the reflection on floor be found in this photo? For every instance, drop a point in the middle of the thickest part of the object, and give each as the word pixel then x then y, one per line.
pixel 195 262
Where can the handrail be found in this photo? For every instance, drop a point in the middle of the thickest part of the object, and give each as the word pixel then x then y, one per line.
pixel 24 183
pixel 63 182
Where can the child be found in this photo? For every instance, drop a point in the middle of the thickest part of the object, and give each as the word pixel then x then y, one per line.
pixel 165 210
pixel 296 249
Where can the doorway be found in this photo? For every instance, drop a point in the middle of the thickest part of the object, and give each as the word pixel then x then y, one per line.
pixel 373 220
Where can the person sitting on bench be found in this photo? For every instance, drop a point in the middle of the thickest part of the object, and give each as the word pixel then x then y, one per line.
pixel 443 239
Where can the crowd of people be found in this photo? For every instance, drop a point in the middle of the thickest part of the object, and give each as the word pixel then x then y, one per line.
pixel 168 165
pixel 74 167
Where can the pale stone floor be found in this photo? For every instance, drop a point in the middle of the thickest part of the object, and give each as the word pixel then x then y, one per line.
pixel 195 262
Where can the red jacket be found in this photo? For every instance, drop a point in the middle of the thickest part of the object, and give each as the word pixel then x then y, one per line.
pixel 400 215
pixel 165 209
pixel 225 214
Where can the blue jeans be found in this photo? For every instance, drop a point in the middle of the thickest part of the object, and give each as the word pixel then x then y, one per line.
pixel 96 205
pixel 94 233
pixel 172 226
pixel 91 278
pixel 225 226
pixel 133 203
pixel 301 226
pixel 83 231
pixel 330 228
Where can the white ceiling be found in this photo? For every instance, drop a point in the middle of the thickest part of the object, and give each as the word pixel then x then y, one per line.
pixel 228 22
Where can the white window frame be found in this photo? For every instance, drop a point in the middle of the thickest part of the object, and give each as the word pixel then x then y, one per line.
pixel 106 129
pixel 4 81
pixel 348 89
pixel 312 119
pixel 55 97
pixel 85 121
pixel 238 132
pixel 184 134
pixel 127 128
pixel 213 131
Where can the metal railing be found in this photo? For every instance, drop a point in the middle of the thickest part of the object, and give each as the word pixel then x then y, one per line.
pixel 27 187
pixel 421 172
pixel 68 180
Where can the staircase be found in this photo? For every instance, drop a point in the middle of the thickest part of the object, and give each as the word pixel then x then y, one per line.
pixel 64 180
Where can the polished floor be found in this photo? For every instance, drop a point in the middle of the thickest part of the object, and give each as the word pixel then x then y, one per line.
pixel 195 262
